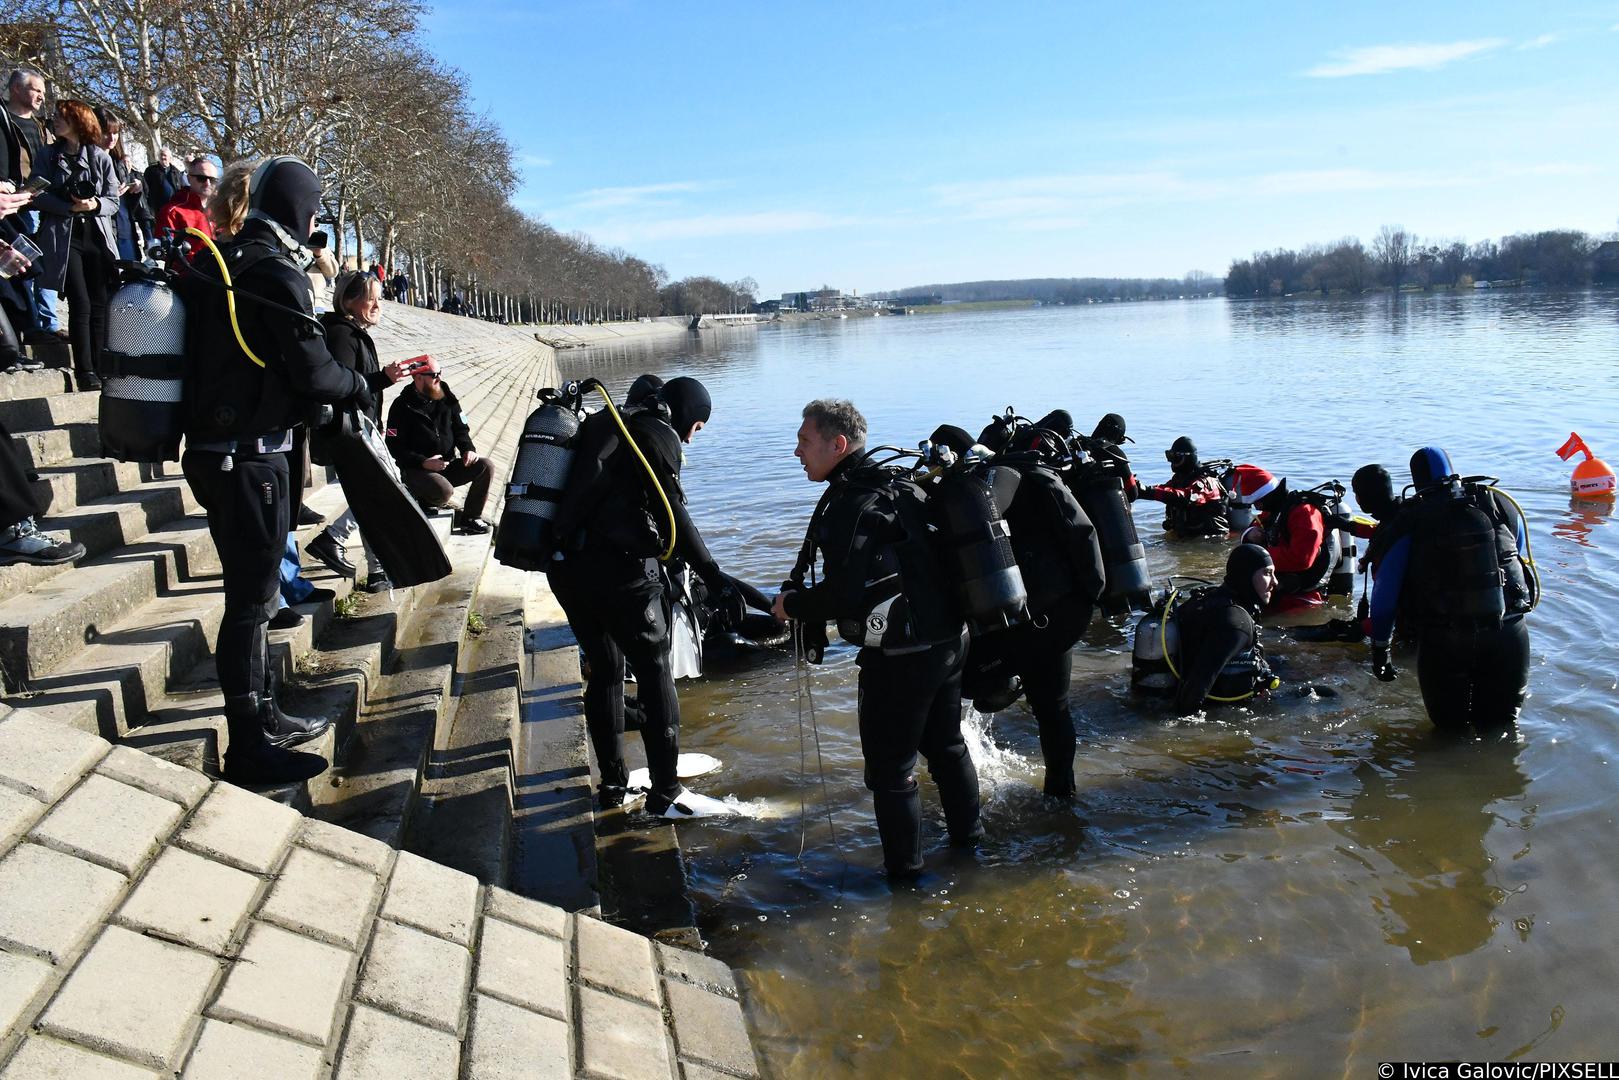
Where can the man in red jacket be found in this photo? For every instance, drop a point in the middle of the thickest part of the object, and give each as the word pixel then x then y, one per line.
pixel 189 207
pixel 1292 528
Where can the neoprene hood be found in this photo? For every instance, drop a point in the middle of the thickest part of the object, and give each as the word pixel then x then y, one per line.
pixel 1245 561
pixel 1429 466
pixel 1374 490
pixel 688 403
pixel 286 193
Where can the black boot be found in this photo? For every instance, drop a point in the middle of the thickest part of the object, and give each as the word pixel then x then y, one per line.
pixel 251 759
pixel 957 781
pixel 325 549
pixel 899 824
pixel 282 728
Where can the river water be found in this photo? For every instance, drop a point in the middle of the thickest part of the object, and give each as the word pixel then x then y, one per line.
pixel 1307 885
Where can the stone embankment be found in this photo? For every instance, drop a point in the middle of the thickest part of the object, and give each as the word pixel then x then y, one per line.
pixel 367 923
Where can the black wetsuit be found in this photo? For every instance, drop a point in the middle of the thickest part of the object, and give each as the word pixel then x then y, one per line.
pixel 1215 629
pixel 613 527
pixel 1061 563
pixel 910 684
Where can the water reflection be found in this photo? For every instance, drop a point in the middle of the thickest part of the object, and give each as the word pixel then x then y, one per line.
pixel 1584 517
pixel 1427 806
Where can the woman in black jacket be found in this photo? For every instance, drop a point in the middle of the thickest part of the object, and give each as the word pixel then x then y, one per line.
pixel 357 298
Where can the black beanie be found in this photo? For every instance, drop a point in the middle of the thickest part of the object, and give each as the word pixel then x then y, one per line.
pixel 286 191
pixel 1183 445
pixel 1111 429
pixel 1374 489
pixel 950 435
pixel 1243 563
pixel 642 389
pixel 688 403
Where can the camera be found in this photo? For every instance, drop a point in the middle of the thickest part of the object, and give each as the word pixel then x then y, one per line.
pixel 82 187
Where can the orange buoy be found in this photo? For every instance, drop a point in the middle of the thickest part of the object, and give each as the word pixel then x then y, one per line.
pixel 1593 478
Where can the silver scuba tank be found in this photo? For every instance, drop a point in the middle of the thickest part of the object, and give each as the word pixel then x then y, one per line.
pixel 525 539
pixel 1149 665
pixel 1342 581
pixel 143 372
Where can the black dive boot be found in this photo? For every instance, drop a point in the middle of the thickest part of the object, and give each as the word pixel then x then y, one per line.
pixel 251 760
pixel 957 781
pixel 285 729
pixel 899 824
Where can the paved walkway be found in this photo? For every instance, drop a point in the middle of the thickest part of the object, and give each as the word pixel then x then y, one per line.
pixel 154 923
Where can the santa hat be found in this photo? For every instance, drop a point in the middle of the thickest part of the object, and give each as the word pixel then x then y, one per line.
pixel 1252 483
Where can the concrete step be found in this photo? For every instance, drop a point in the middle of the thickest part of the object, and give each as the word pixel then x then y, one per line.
pixel 27 385
pixel 110 681
pixel 464 816
pixel 53 446
pixel 50 409
pixel 77 481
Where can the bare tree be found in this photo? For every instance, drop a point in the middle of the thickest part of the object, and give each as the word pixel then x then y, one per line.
pixel 1394 249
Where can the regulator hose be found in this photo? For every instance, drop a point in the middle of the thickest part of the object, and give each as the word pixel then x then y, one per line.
pixel 1163 647
pixel 230 292
pixel 594 384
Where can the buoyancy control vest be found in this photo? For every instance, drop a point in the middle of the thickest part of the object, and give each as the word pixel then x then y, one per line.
pixel 1053 539
pixel 1208 519
pixel 1465 567
pixel 1278 532
pixel 1156 659
pixel 526 538
pixel 1098 485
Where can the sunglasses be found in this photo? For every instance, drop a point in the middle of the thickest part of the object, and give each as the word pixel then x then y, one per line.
pixel 198 179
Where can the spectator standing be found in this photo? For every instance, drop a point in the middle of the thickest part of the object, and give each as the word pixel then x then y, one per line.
pixel 401 285
pixel 20 538
pixel 163 181
pixel 16 305
pixel 130 204
pixel 189 207
pixel 76 234
pixel 358 304
pixel 25 98
pixel 428 436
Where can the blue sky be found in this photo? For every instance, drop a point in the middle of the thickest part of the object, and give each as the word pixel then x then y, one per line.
pixel 873 146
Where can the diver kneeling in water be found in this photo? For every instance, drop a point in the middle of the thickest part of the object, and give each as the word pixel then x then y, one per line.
pixel 1194 499
pixel 1457 570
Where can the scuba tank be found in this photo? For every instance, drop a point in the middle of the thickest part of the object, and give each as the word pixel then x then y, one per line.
pixel 967 501
pixel 1342 580
pixel 1155 641
pixel 1239 515
pixel 525 539
pixel 1464 559
pixel 1099 488
pixel 143 369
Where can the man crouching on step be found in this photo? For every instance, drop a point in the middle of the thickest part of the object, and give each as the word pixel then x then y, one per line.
pixel 888 593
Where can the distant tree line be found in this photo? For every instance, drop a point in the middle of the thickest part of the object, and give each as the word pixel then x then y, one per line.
pixel 411 176
pixel 1398 259
pixel 1061 290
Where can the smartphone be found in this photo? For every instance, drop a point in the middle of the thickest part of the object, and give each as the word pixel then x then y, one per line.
pixel 36 185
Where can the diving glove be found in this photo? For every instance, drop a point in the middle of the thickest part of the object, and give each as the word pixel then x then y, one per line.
pixel 1382 666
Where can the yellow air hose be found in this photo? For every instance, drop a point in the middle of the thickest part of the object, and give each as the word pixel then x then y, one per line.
pixel 230 292
pixel 1163 647
pixel 669 551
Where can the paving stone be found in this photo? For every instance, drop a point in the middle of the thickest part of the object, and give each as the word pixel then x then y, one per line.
pixel 617 959
pixel 620 1039
pixel 240 828
pixel 710 1028
pixel 133 996
pixel 416 975
pixel 345 844
pixel 691 1070
pixel 384 1047
pixel 20 979
pixel 50 902
pixel 524 967
pixel 431 897
pixel 320 896
pixel 508 1043
pixel 545 918
pixel 17 813
pixel 46 1059
pixel 286 983
pixel 712 975
pixel 236 1052
pixel 108 823
pixel 187 898
pixel 43 758
pixel 154 775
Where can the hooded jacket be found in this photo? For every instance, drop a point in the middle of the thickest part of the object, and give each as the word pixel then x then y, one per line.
pixel 420 428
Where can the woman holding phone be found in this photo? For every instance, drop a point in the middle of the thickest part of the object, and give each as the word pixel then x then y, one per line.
pixel 79 247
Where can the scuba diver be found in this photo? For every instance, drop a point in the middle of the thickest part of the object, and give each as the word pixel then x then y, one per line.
pixel 1060 559
pixel 1293 529
pixel 1194 499
pixel 607 577
pixel 1458 571
pixel 240 422
pixel 1206 647
pixel 889 593
pixel 1374 493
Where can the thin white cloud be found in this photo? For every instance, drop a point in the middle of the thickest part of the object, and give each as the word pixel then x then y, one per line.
pixel 536 160
pixel 702 226
pixel 616 198
pixel 1540 42
pixel 1382 59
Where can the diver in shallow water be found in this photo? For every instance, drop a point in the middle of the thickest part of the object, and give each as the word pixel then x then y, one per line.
pixel 1219 640
pixel 1456 569
pixel 1194 499
pixel 883 585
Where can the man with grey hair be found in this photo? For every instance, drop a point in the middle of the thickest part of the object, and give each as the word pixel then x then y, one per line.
pixel 884 585
pixel 25 97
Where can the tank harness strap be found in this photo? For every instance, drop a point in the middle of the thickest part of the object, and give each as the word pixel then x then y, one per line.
pixel 155 366
pixel 534 491
pixel 276 442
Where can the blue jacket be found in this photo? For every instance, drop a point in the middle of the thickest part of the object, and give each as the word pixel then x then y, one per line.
pixel 56 212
